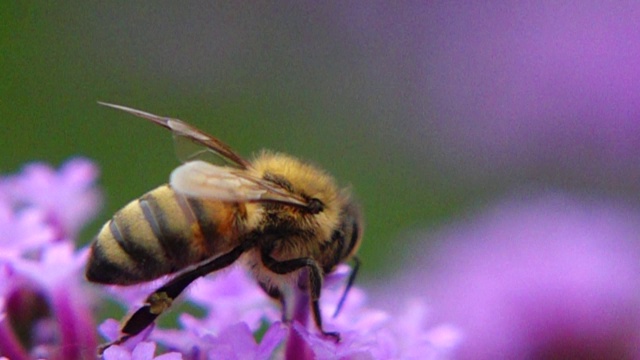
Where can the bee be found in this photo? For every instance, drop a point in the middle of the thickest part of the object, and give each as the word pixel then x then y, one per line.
pixel 284 219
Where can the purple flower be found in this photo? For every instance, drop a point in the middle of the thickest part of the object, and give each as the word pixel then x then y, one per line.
pixel 237 309
pixel 22 230
pixel 142 351
pixel 45 310
pixel 68 197
pixel 546 277
pixel 66 328
pixel 237 342
pixel 9 343
pixel 371 333
pixel 237 298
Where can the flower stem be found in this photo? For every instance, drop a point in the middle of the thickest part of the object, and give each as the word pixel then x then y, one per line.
pixel 297 347
pixel 78 338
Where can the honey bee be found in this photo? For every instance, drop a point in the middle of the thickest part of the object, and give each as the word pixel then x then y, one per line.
pixel 285 219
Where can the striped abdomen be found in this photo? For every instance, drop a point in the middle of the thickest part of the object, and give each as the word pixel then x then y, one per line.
pixel 160 233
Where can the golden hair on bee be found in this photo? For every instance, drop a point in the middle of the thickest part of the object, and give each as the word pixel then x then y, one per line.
pixel 285 219
pixel 304 178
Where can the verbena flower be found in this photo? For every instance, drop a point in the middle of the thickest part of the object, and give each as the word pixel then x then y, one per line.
pixel 548 277
pixel 45 310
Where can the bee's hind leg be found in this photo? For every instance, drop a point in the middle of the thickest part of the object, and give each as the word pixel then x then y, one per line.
pixel 160 300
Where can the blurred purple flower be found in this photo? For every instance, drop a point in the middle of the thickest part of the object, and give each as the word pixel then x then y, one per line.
pixel 551 87
pixel 549 277
pixel 553 83
pixel 45 307
pixel 67 197
pixel 22 230
pixel 500 91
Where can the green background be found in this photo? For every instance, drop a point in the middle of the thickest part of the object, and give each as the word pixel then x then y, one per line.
pixel 255 75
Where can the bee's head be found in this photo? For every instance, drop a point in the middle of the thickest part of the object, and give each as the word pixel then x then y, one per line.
pixel 323 198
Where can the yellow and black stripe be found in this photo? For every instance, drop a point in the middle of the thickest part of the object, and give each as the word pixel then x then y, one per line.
pixel 158 234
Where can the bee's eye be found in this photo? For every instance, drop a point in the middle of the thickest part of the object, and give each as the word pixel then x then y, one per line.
pixel 315 206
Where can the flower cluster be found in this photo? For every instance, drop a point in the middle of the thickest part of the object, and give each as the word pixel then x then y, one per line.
pixel 46 305
pixel 237 310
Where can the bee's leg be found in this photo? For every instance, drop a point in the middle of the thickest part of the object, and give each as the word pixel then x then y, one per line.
pixel 161 299
pixel 352 278
pixel 315 282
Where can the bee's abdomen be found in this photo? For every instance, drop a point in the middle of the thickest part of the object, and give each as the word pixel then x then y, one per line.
pixel 158 234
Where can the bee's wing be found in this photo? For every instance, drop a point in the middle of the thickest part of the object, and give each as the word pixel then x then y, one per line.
pixel 204 180
pixel 183 130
